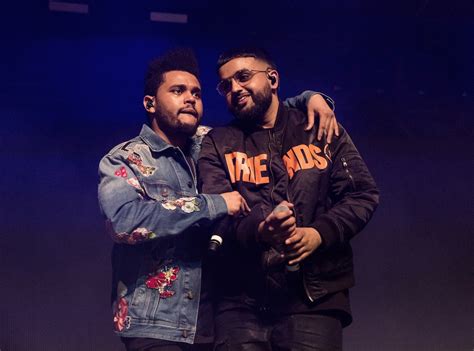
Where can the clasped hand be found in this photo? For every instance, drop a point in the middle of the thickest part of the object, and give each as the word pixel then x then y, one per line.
pixel 280 231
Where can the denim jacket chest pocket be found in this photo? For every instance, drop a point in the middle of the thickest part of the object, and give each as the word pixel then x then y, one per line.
pixel 169 182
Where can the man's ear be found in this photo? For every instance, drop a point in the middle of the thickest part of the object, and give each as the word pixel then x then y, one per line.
pixel 274 78
pixel 149 103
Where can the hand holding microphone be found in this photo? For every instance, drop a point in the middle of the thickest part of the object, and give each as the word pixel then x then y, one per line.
pixel 282 208
pixel 236 205
pixel 302 243
pixel 294 243
pixel 278 226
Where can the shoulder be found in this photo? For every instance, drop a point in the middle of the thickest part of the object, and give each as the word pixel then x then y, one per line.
pixel 124 148
pixel 227 131
pixel 296 116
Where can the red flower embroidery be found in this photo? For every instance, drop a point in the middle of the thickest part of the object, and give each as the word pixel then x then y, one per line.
pixel 136 160
pixel 120 317
pixel 122 172
pixel 163 280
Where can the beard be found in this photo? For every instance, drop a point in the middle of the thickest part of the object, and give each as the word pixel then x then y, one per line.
pixel 172 125
pixel 261 102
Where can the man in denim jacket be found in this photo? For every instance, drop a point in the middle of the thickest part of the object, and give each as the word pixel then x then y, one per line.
pixel 160 224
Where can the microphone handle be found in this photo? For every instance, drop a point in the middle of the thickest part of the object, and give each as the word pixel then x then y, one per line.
pixel 217 239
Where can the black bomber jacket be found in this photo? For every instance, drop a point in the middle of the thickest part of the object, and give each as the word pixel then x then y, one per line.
pixel 329 184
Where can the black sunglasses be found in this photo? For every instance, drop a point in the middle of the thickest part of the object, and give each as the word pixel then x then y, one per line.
pixel 242 77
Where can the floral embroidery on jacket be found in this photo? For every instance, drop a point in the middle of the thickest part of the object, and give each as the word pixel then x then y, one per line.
pixel 137 236
pixel 121 172
pixel 197 140
pixel 186 204
pixel 162 280
pixel 121 320
pixel 136 161
pixel 135 183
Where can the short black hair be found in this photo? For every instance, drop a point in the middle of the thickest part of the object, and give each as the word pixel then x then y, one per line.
pixel 255 52
pixel 179 59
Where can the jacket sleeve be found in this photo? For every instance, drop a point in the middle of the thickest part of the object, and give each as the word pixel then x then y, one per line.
pixel 133 217
pixel 353 193
pixel 213 179
pixel 300 102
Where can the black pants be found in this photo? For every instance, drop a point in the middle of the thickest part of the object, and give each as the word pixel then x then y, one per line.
pixel 147 344
pixel 244 329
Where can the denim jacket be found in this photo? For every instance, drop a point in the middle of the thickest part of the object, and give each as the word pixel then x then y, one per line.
pixel 147 192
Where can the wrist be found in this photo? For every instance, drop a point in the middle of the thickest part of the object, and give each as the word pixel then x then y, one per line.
pixel 327 99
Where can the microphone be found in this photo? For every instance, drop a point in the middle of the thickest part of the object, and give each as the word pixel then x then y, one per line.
pixel 293 267
pixel 217 239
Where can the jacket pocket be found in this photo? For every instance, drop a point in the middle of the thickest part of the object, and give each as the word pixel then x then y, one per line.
pixel 160 190
pixel 157 294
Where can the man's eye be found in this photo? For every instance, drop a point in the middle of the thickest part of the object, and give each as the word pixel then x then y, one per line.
pixel 197 94
pixel 177 91
pixel 244 76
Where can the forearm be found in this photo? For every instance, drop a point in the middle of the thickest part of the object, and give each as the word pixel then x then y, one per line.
pixel 141 220
pixel 300 101
pixel 133 216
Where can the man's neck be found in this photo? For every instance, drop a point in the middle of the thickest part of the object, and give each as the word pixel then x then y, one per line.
pixel 270 116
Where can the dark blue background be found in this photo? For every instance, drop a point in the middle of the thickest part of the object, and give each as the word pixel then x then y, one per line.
pixel 402 77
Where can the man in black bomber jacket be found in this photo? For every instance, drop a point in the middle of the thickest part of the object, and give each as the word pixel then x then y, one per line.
pixel 283 273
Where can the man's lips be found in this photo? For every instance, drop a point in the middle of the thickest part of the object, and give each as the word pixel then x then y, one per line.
pixel 189 111
pixel 240 99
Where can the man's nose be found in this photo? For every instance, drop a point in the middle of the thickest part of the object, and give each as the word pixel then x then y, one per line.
pixel 235 86
pixel 190 98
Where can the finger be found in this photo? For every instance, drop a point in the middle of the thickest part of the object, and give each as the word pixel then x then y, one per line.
pixel 286 203
pixel 299 259
pixel 293 255
pixel 291 230
pixel 331 128
pixel 281 217
pixel 322 125
pixel 243 210
pixel 285 234
pixel 310 120
pixel 287 223
pixel 294 238
pixel 327 125
pixel 334 127
pixel 246 206
pixel 299 254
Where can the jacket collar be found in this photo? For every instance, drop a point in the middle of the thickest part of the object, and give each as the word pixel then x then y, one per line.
pixel 282 118
pixel 153 140
pixel 157 144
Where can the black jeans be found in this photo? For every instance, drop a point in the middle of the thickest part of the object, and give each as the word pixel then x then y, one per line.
pixel 147 344
pixel 245 329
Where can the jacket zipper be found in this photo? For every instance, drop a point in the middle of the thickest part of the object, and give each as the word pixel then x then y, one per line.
pixel 348 172
pixel 288 197
pixel 267 258
pixel 272 140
